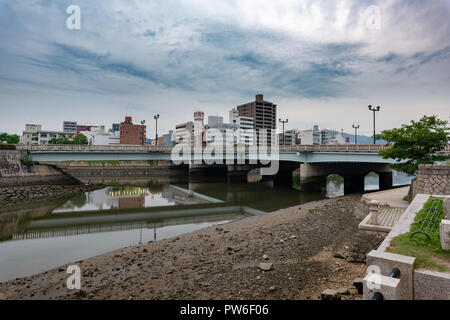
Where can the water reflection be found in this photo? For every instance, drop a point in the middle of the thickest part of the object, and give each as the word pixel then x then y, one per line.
pixel 126 197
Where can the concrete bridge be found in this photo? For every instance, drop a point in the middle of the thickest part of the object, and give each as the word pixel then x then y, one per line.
pixel 311 163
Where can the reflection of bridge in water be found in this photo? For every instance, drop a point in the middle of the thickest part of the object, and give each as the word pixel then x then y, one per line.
pixel 119 220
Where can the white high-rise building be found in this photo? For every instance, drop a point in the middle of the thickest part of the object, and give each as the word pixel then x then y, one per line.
pixel 199 116
pixel 184 132
pixel 245 127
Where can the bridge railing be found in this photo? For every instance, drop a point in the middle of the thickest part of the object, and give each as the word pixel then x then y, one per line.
pixel 91 148
pixel 368 148
pixel 335 148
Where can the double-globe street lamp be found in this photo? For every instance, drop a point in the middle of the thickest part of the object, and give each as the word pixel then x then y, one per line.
pixel 156 127
pixel 356 135
pixel 283 122
pixel 374 109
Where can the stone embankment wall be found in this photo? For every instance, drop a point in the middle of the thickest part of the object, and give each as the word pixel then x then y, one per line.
pixel 111 169
pixel 432 179
pixel 13 171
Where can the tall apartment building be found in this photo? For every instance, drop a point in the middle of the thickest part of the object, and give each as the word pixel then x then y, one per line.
pixel 132 133
pixel 245 127
pixel 69 126
pixel 264 114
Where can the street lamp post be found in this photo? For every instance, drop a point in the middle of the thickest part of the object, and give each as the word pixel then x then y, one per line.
pixel 143 135
pixel 374 109
pixel 283 122
pixel 156 127
pixel 356 129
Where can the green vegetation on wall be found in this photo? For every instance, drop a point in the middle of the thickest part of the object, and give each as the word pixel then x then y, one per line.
pixel 7 147
pixel 428 252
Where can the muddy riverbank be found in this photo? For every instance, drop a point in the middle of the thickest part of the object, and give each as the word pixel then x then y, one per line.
pixel 311 247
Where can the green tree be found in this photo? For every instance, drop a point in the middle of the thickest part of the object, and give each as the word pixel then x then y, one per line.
pixel 416 143
pixel 80 139
pixel 59 141
pixel 9 138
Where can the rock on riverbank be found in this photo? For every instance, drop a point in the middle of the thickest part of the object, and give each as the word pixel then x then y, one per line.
pixel 224 262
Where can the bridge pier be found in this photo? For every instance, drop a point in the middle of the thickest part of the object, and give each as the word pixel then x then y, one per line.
pixel 353 183
pixel 385 180
pixel 312 177
pixel 238 172
pixel 203 172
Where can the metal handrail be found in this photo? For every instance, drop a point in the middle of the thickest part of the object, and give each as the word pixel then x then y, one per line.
pixel 430 221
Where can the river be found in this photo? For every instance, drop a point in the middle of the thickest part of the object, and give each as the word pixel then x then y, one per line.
pixel 39 237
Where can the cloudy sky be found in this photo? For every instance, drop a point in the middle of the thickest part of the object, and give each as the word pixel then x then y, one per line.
pixel 322 62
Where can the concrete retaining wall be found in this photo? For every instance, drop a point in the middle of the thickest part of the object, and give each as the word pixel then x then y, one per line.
pixel 86 169
pixel 14 173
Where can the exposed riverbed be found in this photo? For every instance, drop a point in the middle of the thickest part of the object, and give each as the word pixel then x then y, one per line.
pixel 45 227
pixel 222 262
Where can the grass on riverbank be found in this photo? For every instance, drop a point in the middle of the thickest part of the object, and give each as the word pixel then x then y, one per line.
pixel 428 252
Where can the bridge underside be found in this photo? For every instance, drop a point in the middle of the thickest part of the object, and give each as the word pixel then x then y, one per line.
pixel 304 170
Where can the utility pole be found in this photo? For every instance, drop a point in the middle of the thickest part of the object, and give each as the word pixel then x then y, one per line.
pixel 283 122
pixel 374 109
pixel 156 118
pixel 356 129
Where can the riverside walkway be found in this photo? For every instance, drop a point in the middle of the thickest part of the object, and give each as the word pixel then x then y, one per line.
pixel 390 209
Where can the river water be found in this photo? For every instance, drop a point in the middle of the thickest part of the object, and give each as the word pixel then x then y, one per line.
pixel 41 236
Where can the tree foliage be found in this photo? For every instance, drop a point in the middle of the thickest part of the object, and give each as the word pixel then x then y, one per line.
pixel 416 143
pixel 9 138
pixel 78 139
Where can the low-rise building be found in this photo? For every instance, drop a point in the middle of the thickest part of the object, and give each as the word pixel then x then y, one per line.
pixel 168 139
pixel 34 135
pixel 98 137
pixel 290 137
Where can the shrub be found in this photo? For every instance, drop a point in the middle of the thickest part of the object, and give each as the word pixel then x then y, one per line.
pixel 7 147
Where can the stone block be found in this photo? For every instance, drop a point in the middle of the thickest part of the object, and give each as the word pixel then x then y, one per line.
pixel 330 294
pixel 431 285
pixel 445 234
pixel 387 286
pixel 385 262
pixel 447 208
